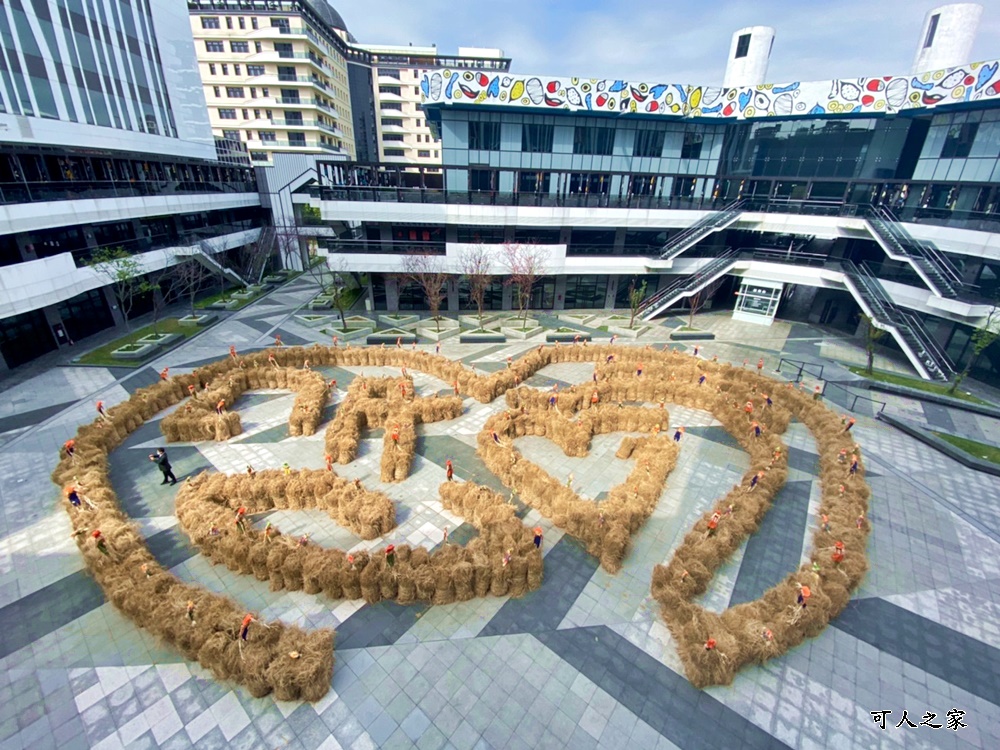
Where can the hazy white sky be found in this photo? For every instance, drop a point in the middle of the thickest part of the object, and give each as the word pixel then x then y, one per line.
pixel 669 40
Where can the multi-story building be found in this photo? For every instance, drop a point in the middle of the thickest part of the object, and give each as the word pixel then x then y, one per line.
pixel 275 75
pixel 817 201
pixel 104 142
pixel 403 134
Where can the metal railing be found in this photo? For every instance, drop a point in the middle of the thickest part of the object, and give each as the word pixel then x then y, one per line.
pixel 688 285
pixel 850 398
pixel 34 192
pixel 800 367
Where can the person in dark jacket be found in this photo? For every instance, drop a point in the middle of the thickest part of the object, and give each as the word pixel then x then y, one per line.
pixel 163 463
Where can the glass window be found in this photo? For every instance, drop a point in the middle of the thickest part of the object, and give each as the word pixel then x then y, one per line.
pixel 225 69
pixel 593 140
pixel 243 22
pixel 253 22
pixel 586 291
pixel 231 135
pixel 482 179
pixel 391 122
pixel 236 69
pixel 537 139
pixel 257 46
pixel 958 142
pixel 296 139
pixel 692 145
pixel 227 114
pixel 211 68
pixel 642 184
pixel 217 91
pixel 423 154
pixel 648 143
pixel 214 47
pixel 592 182
pixel 393 137
pixel 389 89
pixel 284 49
pixel 533 182
pixel 395 152
pixel 931 30
pixel 229 22
pixel 239 46
pixel 484 136
pixel 209 22
pixel 742 46
pixel 234 92
pixel 268 136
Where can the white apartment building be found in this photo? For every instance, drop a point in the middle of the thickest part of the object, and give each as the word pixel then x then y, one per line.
pixel 403 134
pixel 275 75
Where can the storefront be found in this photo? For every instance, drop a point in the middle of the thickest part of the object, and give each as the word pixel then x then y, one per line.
pixel 757 301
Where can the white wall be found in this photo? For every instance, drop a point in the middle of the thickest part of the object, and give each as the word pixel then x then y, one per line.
pixel 48 281
pixel 29 217
pixel 953 39
pixel 750 70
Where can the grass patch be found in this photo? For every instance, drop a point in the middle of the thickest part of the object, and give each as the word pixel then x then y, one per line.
pixel 568 330
pixel 940 389
pixel 348 297
pixel 602 328
pixel 102 354
pixel 984 451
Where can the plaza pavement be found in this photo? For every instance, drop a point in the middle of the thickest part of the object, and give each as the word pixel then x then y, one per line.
pixel 583 662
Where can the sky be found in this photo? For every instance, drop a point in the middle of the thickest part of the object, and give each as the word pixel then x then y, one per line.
pixel 666 40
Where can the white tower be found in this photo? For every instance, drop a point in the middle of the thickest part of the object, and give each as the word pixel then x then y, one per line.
pixel 749 54
pixel 947 36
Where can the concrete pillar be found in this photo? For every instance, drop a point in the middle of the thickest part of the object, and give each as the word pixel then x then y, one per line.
pixel 507 301
pixel 55 322
pixel 749 54
pixel 609 297
pixel 391 294
pixel 116 312
pixel 560 300
pixel 452 294
pixel 619 246
pixel 947 36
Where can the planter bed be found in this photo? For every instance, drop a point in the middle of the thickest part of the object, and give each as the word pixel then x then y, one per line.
pixel 522 333
pixel 161 339
pixel 398 321
pixel 929 438
pixel 232 304
pixel 197 320
pixel 321 303
pixel 692 336
pixel 473 320
pixel 349 334
pixel 934 398
pixel 275 279
pixel 135 351
pixel 580 319
pixel 315 321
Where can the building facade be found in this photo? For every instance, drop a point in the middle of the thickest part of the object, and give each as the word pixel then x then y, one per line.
pixel 275 75
pixel 820 201
pixel 104 142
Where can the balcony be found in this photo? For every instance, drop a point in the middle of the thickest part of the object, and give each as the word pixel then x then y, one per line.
pixel 34 192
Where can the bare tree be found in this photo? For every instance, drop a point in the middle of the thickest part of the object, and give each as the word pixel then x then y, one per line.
pixel 700 298
pixel 635 297
pixel 124 272
pixel 189 275
pixel 429 274
pixel 525 264
pixel 290 248
pixel 476 267
pixel 340 276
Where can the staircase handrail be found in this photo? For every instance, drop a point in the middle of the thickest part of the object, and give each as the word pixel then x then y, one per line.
pixel 712 220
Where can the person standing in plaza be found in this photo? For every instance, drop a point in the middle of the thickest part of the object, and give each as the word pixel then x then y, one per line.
pixel 163 464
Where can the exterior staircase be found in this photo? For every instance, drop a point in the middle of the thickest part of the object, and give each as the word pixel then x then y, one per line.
pixel 688 286
pixel 933 266
pixel 714 222
pixel 918 345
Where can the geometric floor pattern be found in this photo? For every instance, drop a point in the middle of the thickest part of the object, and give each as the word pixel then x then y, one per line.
pixel 583 662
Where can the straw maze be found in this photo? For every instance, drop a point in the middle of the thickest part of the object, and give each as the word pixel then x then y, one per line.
pixel 503 559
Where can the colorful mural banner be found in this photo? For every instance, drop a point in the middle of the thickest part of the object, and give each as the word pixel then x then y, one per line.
pixel 972 82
